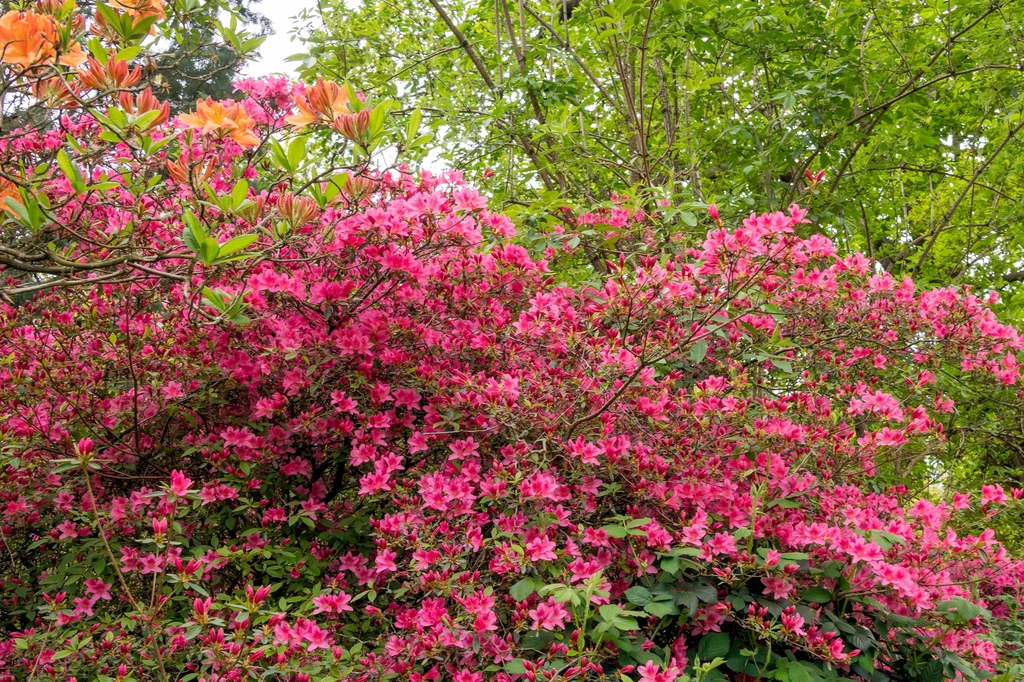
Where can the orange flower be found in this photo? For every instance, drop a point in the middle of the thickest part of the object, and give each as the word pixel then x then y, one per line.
pixel 140 9
pixel 189 172
pixel 353 126
pixel 324 103
pixel 223 119
pixel 114 75
pixel 358 186
pixel 143 102
pixel 8 189
pixel 54 92
pixel 29 39
pixel 296 210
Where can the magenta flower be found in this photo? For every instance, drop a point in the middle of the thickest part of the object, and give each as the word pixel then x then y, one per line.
pixel 549 615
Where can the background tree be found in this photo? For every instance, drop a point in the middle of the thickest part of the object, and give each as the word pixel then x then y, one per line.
pixel 896 121
pixel 208 67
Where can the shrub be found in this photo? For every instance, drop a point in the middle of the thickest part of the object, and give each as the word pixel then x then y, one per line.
pixel 341 426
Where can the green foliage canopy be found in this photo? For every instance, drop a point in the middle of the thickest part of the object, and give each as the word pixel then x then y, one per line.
pixel 909 108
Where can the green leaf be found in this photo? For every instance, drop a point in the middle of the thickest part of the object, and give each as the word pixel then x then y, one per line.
pixel 799 673
pixel 817 594
pixel 706 593
pixel 239 192
pixel 713 645
pixel 377 117
pixel 237 244
pixel 639 595
pixel 353 98
pixel 699 352
pixel 690 601
pixel 208 250
pixel 615 531
pixel 192 223
pixel 610 611
pixel 625 624
pixel 661 609
pixel 129 53
pixel 99 53
pixel 70 170
pixel 19 210
pixel 931 672
pixel 537 640
pixel 413 126
pixel 566 594
pixel 296 152
pixel 143 120
pixel 960 610
pixel 523 589
pixel 515 667
pixel 189 240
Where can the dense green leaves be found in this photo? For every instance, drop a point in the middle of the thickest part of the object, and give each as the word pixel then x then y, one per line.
pixel 896 122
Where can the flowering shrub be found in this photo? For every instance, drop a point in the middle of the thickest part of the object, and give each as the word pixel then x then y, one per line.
pixel 261 419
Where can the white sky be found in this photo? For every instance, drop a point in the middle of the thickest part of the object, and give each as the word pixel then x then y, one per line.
pixel 278 45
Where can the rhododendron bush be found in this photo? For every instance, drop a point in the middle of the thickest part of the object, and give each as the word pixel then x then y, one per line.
pixel 272 410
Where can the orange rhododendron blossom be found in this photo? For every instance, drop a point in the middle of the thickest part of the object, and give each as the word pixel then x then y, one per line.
pixel 223 119
pixel 8 189
pixel 113 74
pixel 29 39
pixel 140 9
pixel 358 186
pixel 143 102
pixel 323 103
pixel 188 171
pixel 353 126
pixel 56 93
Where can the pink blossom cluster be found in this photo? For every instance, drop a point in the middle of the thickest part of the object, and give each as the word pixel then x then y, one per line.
pixel 423 455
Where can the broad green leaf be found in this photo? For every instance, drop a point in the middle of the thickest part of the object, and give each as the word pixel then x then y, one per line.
pixel 236 244
pixel 523 589
pixel 816 594
pixel 713 645
pixel 208 250
pixel 639 595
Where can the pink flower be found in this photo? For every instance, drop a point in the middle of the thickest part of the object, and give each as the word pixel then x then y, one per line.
pixel 332 603
pixel 836 652
pixel 485 621
pixel 316 637
pixel 652 672
pixel 180 483
pixel 68 530
pixel 463 448
pixel 83 606
pixel 541 549
pixel 386 562
pixel 172 390
pixel 713 213
pixel 97 589
pixel 792 622
pixel 468 676
pixel 549 615
pixel 722 543
pixel 993 494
